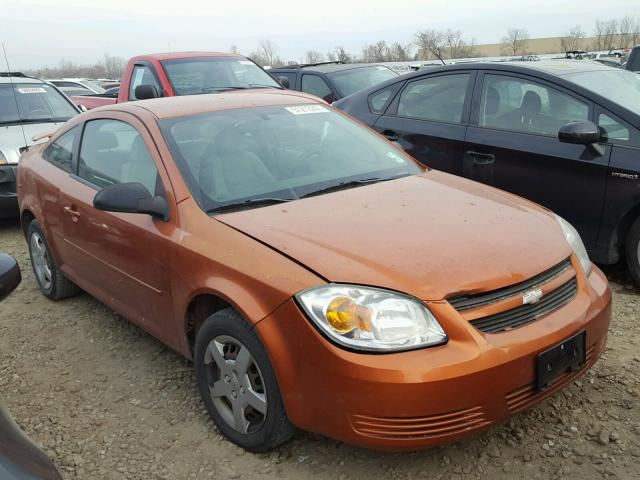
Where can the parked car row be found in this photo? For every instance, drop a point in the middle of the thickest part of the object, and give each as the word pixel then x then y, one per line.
pixel 565 134
pixel 300 259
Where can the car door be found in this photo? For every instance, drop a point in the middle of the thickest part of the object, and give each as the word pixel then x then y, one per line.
pixel 144 74
pixel 55 177
pixel 429 117
pixel 623 181
pixel 513 145
pixel 121 258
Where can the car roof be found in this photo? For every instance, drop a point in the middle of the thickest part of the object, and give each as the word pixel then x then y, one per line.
pixel 179 106
pixel 557 68
pixel 328 68
pixel 180 55
pixel 20 80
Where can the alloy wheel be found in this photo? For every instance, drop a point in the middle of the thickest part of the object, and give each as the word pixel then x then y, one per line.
pixel 41 260
pixel 236 384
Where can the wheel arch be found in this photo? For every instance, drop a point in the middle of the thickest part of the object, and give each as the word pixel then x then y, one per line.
pixel 618 236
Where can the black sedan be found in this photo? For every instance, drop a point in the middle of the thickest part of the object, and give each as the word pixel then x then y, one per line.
pixel 563 133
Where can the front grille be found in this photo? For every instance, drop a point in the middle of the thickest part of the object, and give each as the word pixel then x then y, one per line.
pixel 465 302
pixel 527 313
pixel 402 428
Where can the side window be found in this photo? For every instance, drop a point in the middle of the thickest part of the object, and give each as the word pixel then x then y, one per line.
pixel 315 85
pixel 60 152
pixel 114 152
pixel 379 100
pixel 289 76
pixel 518 105
pixel 440 98
pixel 613 130
pixel 142 75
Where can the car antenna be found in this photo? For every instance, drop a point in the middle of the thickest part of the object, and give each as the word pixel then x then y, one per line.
pixel 15 96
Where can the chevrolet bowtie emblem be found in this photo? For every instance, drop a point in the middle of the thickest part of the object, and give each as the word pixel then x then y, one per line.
pixel 532 296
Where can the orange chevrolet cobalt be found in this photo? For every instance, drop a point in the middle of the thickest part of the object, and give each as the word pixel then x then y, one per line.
pixel 318 277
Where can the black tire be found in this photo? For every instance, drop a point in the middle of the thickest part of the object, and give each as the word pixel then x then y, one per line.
pixel 275 427
pixel 632 243
pixel 58 286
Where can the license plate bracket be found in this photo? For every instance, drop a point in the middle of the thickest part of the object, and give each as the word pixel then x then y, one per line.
pixel 568 355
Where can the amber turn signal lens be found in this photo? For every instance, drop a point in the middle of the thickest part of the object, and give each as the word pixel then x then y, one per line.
pixel 341 314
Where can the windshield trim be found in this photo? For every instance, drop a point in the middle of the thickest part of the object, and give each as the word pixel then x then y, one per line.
pixel 170 61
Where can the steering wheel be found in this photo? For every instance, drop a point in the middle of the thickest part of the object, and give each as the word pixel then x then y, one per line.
pixel 33 113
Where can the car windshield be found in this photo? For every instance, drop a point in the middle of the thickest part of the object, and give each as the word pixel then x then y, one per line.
pixel 210 74
pixel 619 86
pixel 254 156
pixel 93 86
pixel 350 81
pixel 33 102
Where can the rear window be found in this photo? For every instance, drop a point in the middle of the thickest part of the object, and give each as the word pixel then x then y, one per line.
pixel 351 81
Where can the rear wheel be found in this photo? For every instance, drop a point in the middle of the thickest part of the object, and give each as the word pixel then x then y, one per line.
pixel 238 385
pixel 51 280
pixel 632 251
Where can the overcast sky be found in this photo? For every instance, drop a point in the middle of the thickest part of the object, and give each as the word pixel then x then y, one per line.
pixel 41 32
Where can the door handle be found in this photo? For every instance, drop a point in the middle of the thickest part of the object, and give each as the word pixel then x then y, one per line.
pixel 481 158
pixel 73 212
pixel 391 135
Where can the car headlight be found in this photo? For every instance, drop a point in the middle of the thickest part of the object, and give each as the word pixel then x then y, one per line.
pixel 573 237
pixel 371 319
pixel 3 159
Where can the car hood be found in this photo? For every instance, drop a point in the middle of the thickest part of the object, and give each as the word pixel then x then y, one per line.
pixel 430 235
pixel 12 138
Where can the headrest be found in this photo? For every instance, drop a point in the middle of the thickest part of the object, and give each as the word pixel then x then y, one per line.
pixel 186 131
pixel 230 140
pixel 492 102
pixel 531 102
pixel 105 140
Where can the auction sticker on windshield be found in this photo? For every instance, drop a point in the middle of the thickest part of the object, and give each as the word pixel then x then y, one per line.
pixel 305 109
pixel 32 90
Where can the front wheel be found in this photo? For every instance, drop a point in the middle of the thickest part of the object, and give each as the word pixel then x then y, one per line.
pixel 238 385
pixel 632 251
pixel 52 282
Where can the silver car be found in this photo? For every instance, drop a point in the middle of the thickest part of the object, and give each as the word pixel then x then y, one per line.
pixel 28 107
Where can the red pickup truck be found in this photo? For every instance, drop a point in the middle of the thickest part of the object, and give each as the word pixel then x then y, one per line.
pixel 186 73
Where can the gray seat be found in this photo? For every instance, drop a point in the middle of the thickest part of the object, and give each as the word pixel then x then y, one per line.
pixel 230 169
pixel 140 166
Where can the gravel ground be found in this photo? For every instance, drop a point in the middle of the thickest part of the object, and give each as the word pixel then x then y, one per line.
pixel 108 401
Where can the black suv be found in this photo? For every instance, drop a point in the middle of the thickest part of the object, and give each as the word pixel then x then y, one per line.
pixel 563 133
pixel 332 80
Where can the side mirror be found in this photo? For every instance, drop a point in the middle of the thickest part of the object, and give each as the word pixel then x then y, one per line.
pixel 82 108
pixel 580 133
pixel 145 92
pixel 131 198
pixel 284 81
pixel 9 275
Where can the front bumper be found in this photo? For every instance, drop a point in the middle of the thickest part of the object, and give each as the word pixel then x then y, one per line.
pixel 8 196
pixel 422 398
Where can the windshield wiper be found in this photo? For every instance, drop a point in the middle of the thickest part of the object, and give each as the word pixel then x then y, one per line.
pixel 348 184
pixel 251 203
pixel 237 87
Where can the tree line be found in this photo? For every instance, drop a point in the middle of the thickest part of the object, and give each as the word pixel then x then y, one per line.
pixel 428 44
